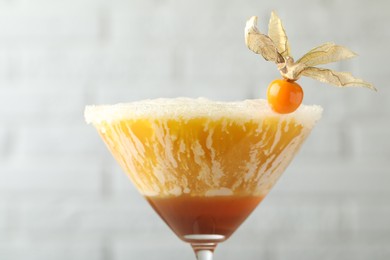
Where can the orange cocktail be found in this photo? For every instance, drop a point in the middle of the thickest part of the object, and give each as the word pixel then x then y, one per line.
pixel 202 165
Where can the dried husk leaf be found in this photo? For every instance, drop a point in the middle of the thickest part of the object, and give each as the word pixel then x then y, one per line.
pixel 278 35
pixel 291 70
pixel 260 43
pixel 326 53
pixel 336 78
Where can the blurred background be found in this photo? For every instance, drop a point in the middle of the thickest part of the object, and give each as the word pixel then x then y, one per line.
pixel 63 197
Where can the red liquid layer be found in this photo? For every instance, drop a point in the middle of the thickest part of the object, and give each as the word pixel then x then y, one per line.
pixel 221 215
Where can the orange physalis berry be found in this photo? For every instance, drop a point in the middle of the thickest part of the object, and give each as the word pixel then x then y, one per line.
pixel 284 96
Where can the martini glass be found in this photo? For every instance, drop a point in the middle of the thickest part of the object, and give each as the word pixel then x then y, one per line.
pixel 202 165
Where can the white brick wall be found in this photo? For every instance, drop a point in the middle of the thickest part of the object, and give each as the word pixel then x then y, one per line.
pixel 51 174
pixel 3 216
pixel 62 196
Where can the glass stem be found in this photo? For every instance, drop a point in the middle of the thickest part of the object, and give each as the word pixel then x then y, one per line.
pixel 204 251
pixel 204 255
pixel 204 244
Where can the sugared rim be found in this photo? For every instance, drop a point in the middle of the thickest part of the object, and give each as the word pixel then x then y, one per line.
pixel 187 108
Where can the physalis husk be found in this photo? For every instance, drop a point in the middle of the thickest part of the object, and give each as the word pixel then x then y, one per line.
pixel 275 47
